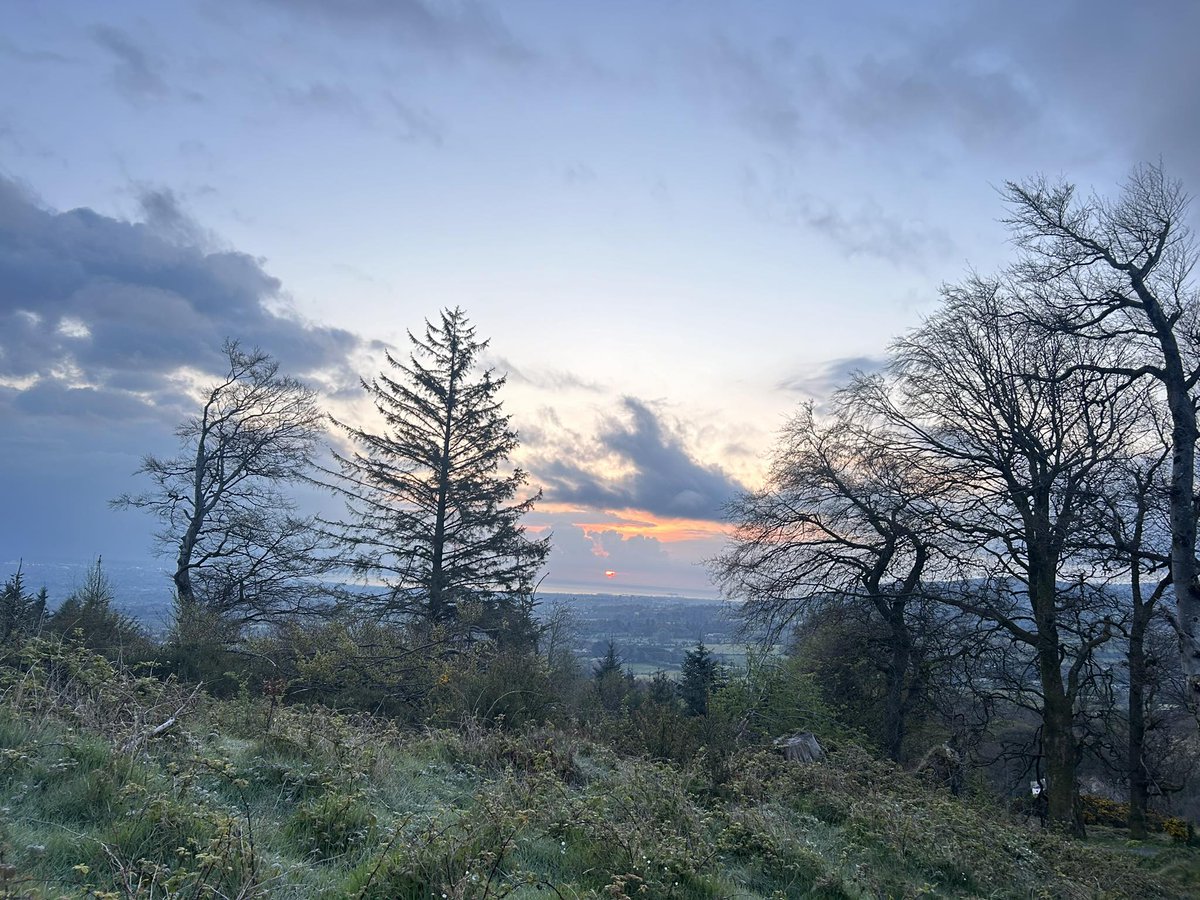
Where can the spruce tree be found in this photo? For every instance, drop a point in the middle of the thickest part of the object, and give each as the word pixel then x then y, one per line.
pixel 88 613
pixel 612 683
pixel 609 664
pixel 433 504
pixel 21 613
pixel 700 676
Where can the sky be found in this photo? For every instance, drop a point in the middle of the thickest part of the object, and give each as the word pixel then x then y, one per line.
pixel 674 222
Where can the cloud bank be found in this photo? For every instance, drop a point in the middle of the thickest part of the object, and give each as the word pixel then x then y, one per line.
pixel 98 314
pixel 636 461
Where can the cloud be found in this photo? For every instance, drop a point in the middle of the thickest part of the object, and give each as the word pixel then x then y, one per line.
pixel 934 87
pixel 328 99
pixel 760 87
pixel 100 319
pixel 822 381
pixel 926 81
pixel 579 173
pixel 1077 52
pixel 416 124
pixel 27 55
pixel 162 213
pixel 115 308
pixel 136 74
pixel 635 462
pixel 450 28
pixel 555 380
pixel 862 229
pixel 382 111
pixel 583 553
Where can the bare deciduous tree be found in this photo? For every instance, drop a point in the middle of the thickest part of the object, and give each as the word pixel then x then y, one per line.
pixel 981 399
pixel 241 550
pixel 1139 532
pixel 841 519
pixel 1122 271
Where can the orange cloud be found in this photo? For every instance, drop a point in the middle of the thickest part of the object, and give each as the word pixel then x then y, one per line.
pixel 636 523
pixel 633 523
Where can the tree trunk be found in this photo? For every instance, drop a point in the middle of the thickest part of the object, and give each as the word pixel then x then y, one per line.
pixel 183 584
pixel 187 544
pixel 184 591
pixel 1183 541
pixel 1185 578
pixel 439 608
pixel 1058 746
pixel 1059 751
pixel 894 705
pixel 1138 780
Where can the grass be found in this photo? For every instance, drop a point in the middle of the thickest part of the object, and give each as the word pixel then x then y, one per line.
pixel 322 805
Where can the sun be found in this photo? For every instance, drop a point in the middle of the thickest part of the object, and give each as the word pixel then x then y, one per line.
pixel 609 573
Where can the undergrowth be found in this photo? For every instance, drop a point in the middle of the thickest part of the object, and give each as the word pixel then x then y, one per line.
pixel 235 799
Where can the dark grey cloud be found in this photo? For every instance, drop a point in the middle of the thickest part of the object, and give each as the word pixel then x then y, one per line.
pixel 451 28
pixel 822 381
pixel 96 315
pixel 1064 81
pixel 661 477
pixel 111 307
pixel 1128 79
pixel 163 214
pixel 136 72
pixel 59 474
pixel 936 87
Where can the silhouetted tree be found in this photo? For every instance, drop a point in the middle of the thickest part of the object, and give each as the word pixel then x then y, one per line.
pixel 1136 501
pixel 844 520
pixel 612 684
pixel 609 663
pixel 241 550
pixel 1123 273
pixel 1027 429
pixel 88 611
pixel 700 676
pixel 433 507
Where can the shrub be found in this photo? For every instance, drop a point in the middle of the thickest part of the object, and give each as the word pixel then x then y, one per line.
pixel 332 825
pixel 1179 830
pixel 508 688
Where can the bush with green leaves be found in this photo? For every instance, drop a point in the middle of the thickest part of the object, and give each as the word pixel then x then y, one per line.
pixel 774 697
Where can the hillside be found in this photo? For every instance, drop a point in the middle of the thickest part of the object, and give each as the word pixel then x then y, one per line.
pixel 114 785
